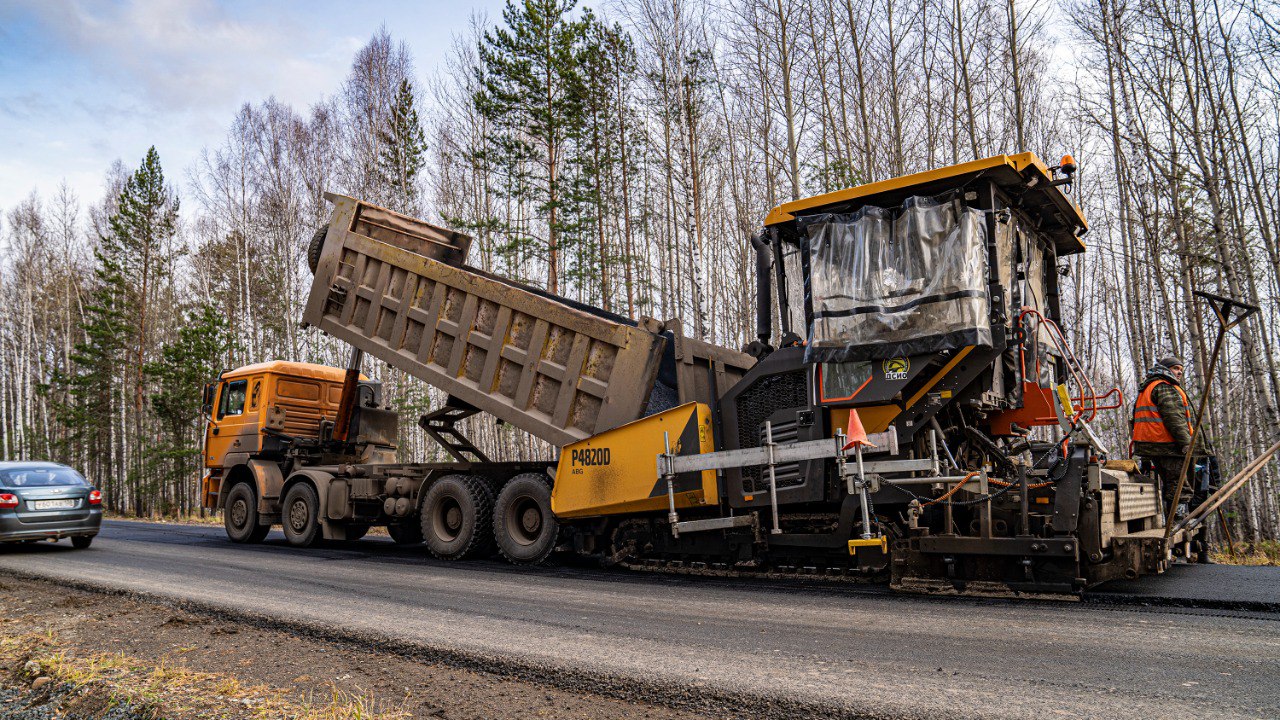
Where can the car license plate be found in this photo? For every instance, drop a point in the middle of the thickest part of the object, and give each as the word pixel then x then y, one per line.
pixel 54 504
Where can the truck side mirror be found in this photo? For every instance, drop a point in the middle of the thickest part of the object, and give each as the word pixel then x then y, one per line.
pixel 206 399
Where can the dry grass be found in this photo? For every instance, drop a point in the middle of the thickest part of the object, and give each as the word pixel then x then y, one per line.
pixel 171 691
pixel 209 519
pixel 342 705
pixel 188 519
pixel 1265 552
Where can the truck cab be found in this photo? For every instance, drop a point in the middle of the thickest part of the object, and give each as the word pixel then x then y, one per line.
pixel 267 418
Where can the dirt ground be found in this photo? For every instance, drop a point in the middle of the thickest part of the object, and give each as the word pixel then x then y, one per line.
pixel 175 664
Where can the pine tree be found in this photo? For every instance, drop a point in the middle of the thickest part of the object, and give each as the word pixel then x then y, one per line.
pixel 185 364
pixel 134 259
pixel 598 159
pixel 403 151
pixel 94 384
pixel 531 97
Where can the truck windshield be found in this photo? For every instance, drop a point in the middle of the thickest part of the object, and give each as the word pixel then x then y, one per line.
pixel 40 477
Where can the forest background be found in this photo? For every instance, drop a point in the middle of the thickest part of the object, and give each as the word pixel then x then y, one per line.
pixel 622 156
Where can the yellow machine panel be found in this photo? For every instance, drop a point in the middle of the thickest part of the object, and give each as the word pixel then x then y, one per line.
pixel 617 471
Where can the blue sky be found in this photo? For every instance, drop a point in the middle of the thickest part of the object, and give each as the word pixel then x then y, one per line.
pixel 83 83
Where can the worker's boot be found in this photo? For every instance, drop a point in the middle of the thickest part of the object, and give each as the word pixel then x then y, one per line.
pixel 1201 549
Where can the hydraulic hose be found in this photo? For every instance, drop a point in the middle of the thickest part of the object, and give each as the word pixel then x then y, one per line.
pixel 1004 487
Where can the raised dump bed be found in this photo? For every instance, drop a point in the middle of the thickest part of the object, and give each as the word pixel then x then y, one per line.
pixel 396 288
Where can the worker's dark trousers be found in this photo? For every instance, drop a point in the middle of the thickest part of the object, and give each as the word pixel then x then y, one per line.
pixel 1167 467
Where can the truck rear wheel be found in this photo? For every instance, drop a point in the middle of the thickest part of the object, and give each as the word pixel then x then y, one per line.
pixel 240 516
pixel 457 517
pixel 523 526
pixel 301 515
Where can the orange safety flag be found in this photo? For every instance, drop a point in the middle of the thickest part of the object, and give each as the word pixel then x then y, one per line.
pixel 856 433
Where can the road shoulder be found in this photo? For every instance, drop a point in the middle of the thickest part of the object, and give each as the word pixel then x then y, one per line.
pixel 150 659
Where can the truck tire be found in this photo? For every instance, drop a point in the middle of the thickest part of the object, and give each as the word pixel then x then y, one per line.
pixel 316 247
pixel 523 526
pixel 409 533
pixel 300 515
pixel 355 532
pixel 240 516
pixel 457 517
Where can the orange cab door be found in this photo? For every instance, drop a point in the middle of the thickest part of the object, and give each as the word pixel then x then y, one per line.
pixel 231 428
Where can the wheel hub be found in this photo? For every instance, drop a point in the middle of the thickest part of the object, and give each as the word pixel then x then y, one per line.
pixel 453 518
pixel 298 515
pixel 239 513
pixel 531 520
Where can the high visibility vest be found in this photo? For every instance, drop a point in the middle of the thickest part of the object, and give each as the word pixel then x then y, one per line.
pixel 1148 426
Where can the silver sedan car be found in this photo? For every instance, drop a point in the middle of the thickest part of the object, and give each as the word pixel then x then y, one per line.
pixel 47 501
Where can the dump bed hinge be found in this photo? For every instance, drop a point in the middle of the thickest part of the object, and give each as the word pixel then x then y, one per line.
pixel 441 426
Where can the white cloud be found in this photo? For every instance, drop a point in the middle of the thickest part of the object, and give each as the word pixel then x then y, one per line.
pixel 188 54
pixel 86 82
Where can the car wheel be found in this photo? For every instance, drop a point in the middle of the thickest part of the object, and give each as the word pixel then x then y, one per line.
pixel 82 542
pixel 457 517
pixel 523 526
pixel 240 516
pixel 300 515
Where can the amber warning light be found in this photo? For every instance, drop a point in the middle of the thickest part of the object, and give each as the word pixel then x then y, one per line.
pixel 1066 166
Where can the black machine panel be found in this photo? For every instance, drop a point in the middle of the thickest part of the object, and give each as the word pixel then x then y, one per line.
pixel 777 390
pixel 868 382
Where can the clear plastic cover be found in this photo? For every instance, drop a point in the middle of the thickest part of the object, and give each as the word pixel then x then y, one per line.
pixel 793 272
pixel 1040 347
pixel 886 283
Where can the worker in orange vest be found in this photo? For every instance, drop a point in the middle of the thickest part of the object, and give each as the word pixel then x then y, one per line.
pixel 1162 424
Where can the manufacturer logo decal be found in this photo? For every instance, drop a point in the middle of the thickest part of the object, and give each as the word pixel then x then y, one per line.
pixel 896 368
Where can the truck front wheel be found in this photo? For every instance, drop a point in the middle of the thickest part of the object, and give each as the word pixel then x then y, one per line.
pixel 457 517
pixel 300 515
pixel 240 516
pixel 523 525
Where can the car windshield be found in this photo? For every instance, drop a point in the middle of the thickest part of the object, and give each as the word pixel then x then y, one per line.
pixel 39 477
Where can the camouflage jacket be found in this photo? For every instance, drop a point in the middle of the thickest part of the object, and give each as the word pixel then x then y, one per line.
pixel 1174 414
